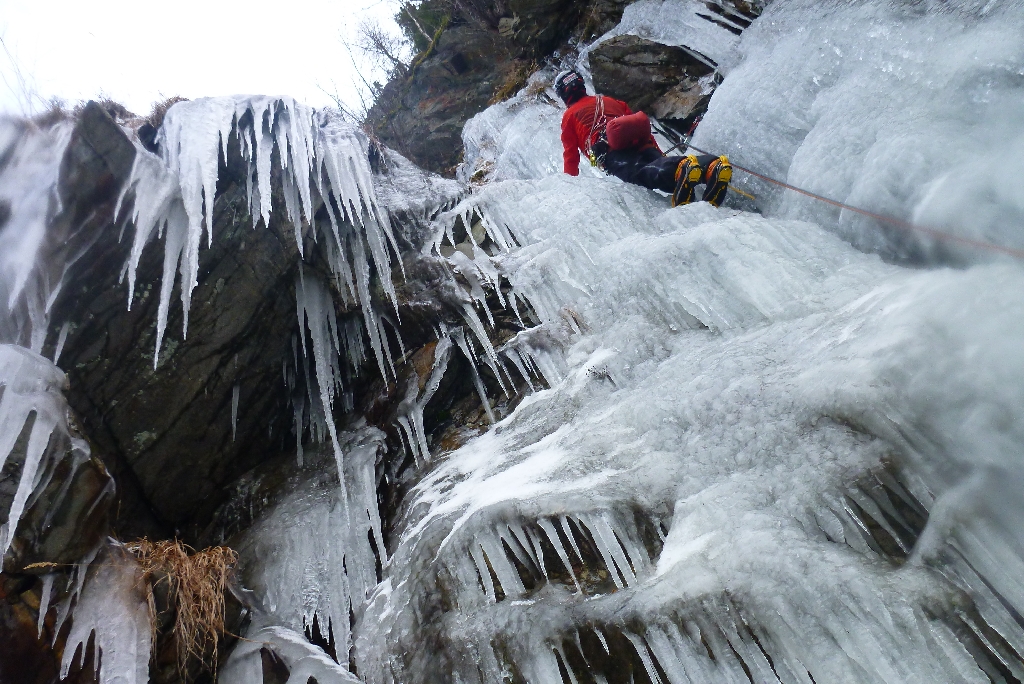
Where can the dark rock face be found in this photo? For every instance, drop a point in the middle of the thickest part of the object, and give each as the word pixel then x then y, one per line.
pixel 421 113
pixel 602 16
pixel 170 427
pixel 650 76
pixel 166 434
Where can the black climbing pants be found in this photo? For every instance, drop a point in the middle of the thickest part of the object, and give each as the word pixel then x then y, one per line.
pixel 648 167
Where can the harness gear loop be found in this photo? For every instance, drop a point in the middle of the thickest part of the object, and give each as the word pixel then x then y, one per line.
pixel 598 124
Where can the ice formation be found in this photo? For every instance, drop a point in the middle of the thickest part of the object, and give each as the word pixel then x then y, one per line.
pixel 911 111
pixel 739 382
pixel 303 660
pixel 29 170
pixel 321 159
pixel 754 453
pixel 309 561
pixel 112 610
pixel 31 397
pixel 763 455
pixel 685 23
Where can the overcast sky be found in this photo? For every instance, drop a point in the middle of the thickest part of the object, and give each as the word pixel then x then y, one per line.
pixel 141 52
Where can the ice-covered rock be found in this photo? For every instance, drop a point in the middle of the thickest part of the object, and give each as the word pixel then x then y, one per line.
pixel 55 496
pixel 753 376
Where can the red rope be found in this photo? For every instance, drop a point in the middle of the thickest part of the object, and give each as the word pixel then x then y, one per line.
pixel 899 223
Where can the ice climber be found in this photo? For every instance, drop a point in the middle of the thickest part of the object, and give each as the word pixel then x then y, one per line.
pixel 621 143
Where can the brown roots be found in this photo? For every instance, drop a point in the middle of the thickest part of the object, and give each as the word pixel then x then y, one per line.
pixel 195 586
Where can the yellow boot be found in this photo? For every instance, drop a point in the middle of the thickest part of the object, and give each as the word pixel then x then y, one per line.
pixel 688 175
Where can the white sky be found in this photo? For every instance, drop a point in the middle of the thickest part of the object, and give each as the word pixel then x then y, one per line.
pixel 138 53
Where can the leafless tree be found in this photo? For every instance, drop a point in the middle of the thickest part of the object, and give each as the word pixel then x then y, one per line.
pixel 388 50
pixel 23 86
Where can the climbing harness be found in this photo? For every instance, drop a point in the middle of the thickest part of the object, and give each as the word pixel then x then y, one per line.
pixel 598 124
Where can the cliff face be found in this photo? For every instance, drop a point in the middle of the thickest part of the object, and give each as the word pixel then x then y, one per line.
pixel 484 52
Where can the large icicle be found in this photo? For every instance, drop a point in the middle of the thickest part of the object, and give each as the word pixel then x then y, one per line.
pixel 410 410
pixel 29 172
pixel 30 392
pixel 112 609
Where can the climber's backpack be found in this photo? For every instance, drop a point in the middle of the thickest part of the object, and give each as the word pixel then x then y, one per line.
pixel 628 132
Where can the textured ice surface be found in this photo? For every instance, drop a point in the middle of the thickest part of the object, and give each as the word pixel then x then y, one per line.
pixel 731 379
pixel 518 138
pixel 677 22
pixel 303 660
pixel 912 110
pixel 407 190
pixel 308 557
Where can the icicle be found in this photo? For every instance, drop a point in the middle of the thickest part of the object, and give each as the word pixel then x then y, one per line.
pixel 475 324
pixel 567 528
pixel 113 610
pixel 76 581
pixel 508 535
pixel 316 313
pixel 565 662
pixel 614 558
pixel 482 569
pixel 44 601
pixel 31 386
pixel 508 576
pixel 29 173
pixel 410 410
pixel 538 551
pixel 645 656
pixel 460 339
pixel 61 339
pixel 556 541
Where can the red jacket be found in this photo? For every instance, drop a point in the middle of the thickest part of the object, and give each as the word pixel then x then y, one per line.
pixel 579 131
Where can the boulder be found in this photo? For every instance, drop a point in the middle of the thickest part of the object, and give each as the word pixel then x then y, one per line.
pixel 650 76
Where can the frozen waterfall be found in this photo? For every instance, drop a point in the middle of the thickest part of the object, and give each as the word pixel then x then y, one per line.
pixel 758 445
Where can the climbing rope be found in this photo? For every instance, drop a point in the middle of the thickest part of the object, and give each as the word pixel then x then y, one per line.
pixel 891 220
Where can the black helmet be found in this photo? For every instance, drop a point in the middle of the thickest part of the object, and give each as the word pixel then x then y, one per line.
pixel 569 86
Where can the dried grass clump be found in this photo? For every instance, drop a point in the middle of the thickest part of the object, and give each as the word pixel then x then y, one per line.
pixel 156 117
pixel 196 581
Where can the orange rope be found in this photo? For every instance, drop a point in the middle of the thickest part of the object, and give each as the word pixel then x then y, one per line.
pixel 899 223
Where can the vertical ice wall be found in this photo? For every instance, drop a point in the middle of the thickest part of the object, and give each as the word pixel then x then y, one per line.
pixel 755 376
pixel 29 172
pixel 310 562
pixel 906 110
